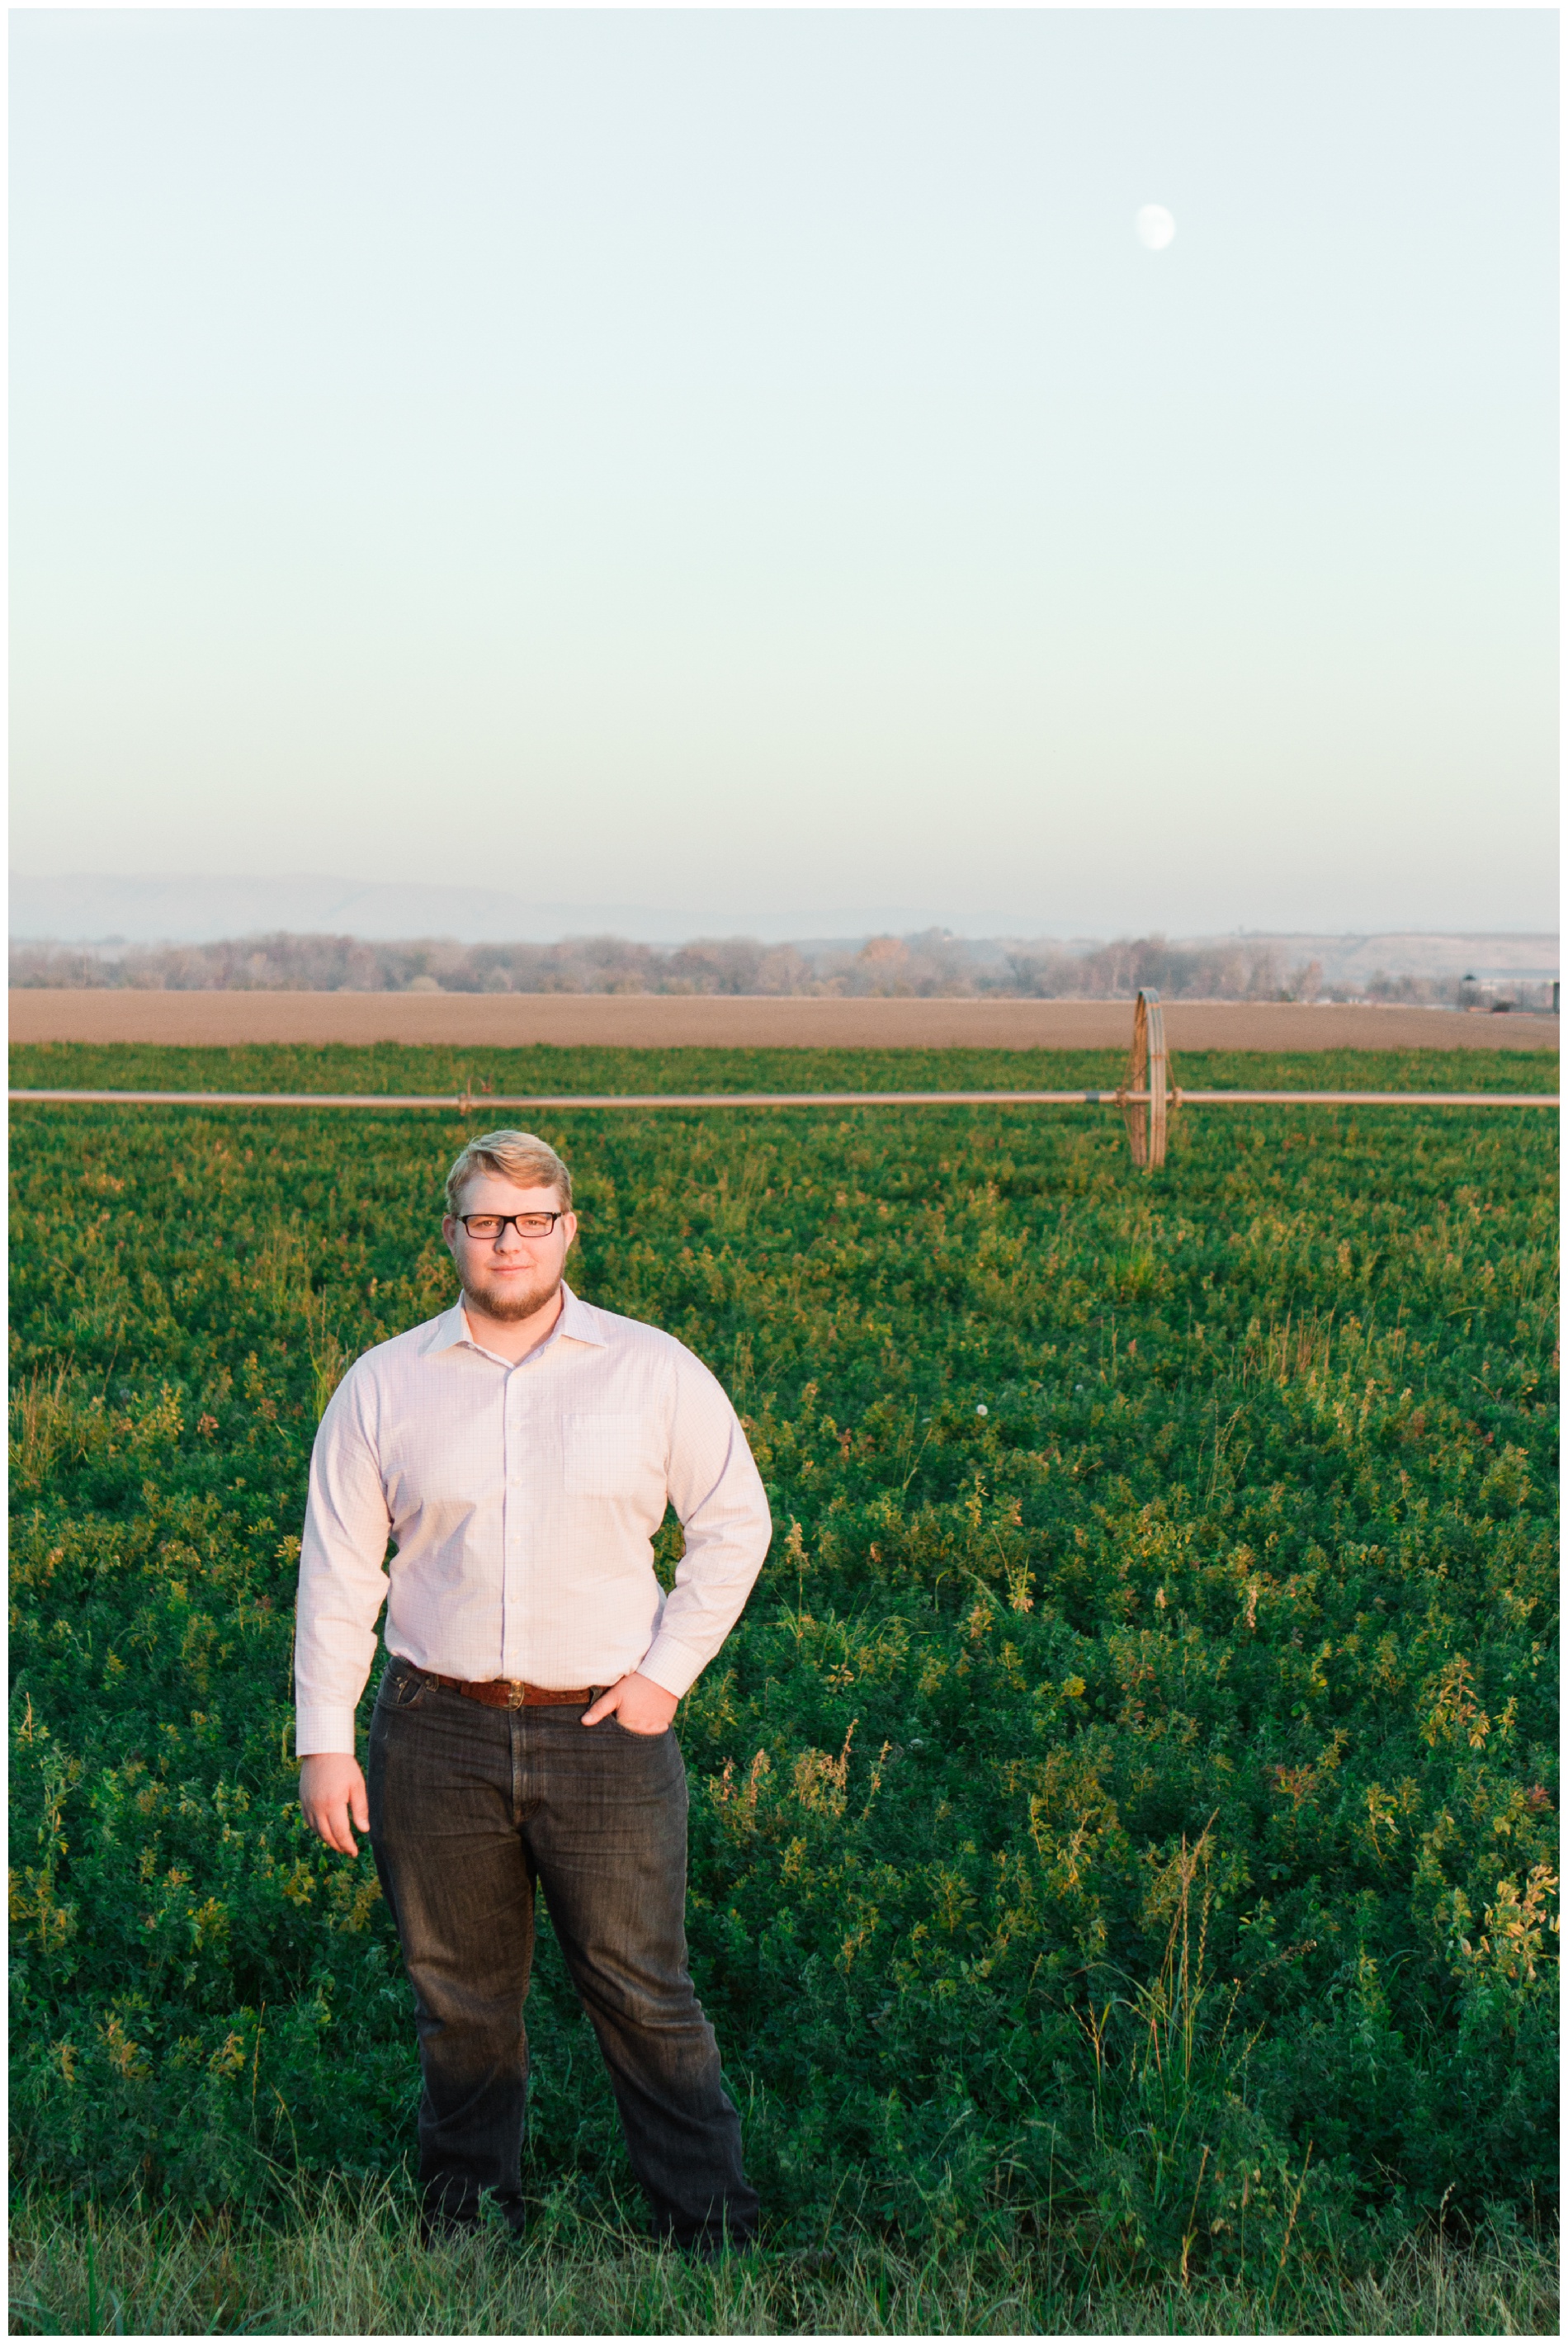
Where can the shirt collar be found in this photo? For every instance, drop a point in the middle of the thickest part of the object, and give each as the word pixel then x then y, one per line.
pixel 451 1327
pixel 578 1323
pixel 579 1320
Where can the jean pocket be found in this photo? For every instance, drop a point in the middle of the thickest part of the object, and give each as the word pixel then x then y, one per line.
pixel 400 1689
pixel 631 1734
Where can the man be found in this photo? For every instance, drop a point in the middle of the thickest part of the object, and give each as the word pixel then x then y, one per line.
pixel 520 1451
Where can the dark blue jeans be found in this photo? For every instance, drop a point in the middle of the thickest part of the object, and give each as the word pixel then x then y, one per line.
pixel 469 1807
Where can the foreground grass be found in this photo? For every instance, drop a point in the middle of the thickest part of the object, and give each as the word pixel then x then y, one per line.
pixel 353 2266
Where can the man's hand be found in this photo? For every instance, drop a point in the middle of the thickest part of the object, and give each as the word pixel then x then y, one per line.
pixel 641 1706
pixel 332 1793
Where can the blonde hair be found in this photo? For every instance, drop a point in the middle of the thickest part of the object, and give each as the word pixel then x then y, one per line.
pixel 516 1156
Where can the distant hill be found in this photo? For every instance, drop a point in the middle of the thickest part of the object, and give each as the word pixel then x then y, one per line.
pixel 1355 959
pixel 963 955
pixel 932 963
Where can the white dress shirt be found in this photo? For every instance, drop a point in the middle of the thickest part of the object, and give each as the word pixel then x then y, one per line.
pixel 523 1502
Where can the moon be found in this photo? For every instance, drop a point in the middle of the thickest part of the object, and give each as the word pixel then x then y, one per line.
pixel 1154 227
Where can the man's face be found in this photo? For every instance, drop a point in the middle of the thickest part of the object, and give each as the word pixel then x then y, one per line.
pixel 509 1276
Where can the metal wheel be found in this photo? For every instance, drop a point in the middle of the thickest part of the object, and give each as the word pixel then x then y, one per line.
pixel 1145 1097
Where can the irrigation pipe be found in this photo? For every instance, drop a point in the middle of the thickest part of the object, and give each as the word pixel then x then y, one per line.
pixel 470 1102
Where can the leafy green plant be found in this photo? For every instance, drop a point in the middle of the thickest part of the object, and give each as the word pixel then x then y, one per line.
pixel 1136 1765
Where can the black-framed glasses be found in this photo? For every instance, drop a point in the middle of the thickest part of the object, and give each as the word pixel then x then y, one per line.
pixel 487 1226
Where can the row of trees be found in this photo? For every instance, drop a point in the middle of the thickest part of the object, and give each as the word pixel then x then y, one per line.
pixel 934 964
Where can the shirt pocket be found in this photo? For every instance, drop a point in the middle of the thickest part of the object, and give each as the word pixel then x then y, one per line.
pixel 613 1455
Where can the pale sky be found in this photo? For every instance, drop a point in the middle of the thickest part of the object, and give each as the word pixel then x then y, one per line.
pixel 748 461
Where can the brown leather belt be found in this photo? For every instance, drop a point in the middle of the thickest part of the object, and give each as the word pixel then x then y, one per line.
pixel 511 1693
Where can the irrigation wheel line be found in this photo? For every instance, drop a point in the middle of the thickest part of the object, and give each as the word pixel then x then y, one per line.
pixel 469 1103
pixel 1146 1095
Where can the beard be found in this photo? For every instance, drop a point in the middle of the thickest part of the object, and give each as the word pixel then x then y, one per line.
pixel 511 1299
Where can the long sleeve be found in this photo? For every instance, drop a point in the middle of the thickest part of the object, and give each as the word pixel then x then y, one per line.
pixel 717 1491
pixel 342 1570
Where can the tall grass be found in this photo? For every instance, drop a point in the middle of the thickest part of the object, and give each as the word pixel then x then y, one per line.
pixel 1128 2248
pixel 349 2263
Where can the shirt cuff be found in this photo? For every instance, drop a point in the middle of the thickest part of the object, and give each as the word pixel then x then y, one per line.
pixel 669 1663
pixel 323 1733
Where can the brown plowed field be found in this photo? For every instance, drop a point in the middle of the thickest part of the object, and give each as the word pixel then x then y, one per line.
pixel 668 1021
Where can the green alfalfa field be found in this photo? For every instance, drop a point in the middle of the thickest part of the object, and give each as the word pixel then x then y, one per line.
pixel 1124 1825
